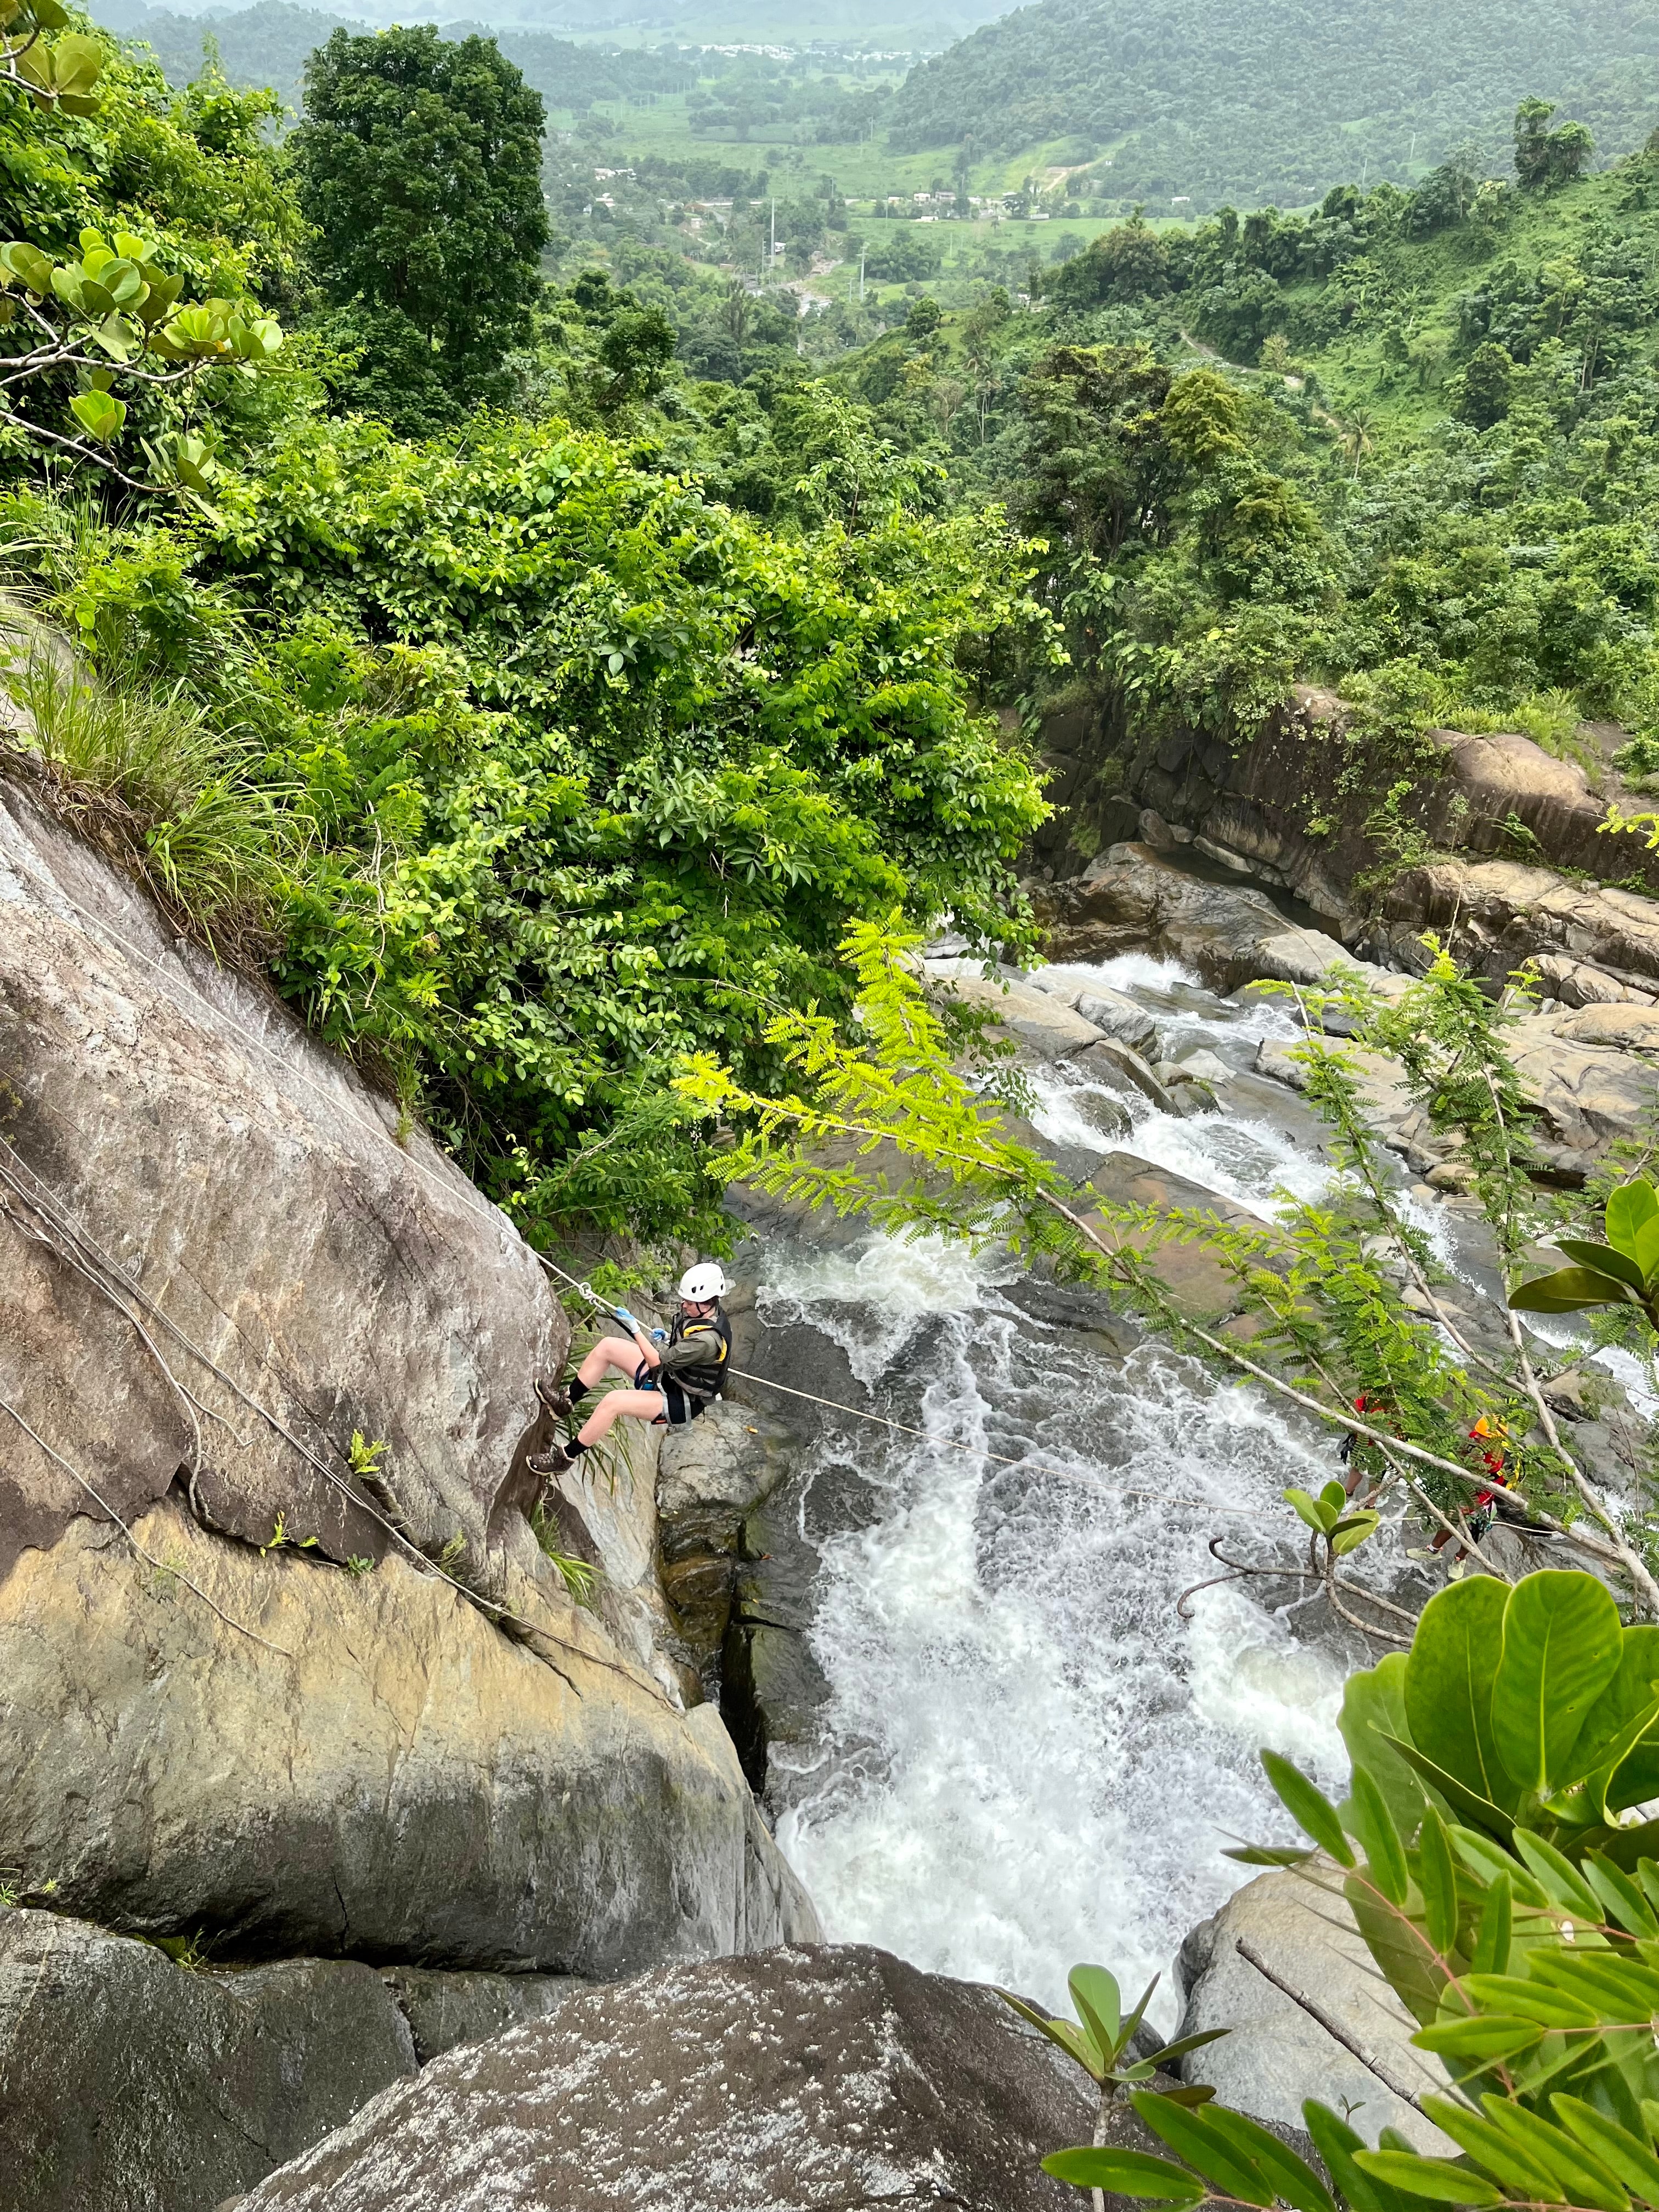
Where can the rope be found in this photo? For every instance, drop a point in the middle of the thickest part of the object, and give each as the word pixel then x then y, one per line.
pixel 459 1190
pixel 904 1428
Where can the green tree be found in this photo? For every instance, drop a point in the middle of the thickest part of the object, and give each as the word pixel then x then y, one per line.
pixel 1483 395
pixel 419 163
pixel 1544 157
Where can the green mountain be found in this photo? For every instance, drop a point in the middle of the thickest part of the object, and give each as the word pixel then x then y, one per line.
pixel 1273 101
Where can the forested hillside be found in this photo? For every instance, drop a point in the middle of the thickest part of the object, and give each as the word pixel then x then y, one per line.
pixel 1276 100
pixel 1408 446
pixel 422 664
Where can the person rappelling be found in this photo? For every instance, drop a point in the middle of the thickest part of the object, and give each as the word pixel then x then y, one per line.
pixel 675 1373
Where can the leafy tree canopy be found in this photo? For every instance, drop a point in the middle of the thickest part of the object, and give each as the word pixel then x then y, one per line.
pixel 419 163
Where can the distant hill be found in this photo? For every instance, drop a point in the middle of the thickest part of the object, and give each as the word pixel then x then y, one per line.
pixel 1276 100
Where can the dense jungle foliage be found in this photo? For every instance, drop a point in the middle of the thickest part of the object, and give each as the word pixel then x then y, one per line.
pixel 564 676
pixel 1276 100
pixel 527 763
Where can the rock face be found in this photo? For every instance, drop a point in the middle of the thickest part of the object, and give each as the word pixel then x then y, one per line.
pixel 798 2081
pixel 1594 944
pixel 128 2085
pixel 1277 2056
pixel 219 1256
pixel 339 1273
pixel 360 1766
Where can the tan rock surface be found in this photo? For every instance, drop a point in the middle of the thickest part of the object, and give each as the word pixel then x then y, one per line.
pixel 397 1779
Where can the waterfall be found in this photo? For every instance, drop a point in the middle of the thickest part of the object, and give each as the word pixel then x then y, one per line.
pixel 1027 1758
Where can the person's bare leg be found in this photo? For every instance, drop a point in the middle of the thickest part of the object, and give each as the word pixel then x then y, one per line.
pixel 616 1405
pixel 611 1355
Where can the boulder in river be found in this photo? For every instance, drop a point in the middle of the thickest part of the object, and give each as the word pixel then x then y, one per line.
pixel 795 2081
pixel 1276 2055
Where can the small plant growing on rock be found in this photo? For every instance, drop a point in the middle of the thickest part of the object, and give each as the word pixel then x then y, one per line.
pixel 282 1539
pixel 1103 2040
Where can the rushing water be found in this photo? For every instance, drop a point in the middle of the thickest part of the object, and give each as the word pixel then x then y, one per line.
pixel 1028 1759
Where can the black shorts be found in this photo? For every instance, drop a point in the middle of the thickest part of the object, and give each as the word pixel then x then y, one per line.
pixel 677 1408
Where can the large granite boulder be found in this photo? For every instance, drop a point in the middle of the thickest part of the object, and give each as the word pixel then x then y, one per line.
pixel 250 1256
pixel 128 2084
pixel 1276 2055
pixel 798 2082
pixel 292 1758
pixel 1133 899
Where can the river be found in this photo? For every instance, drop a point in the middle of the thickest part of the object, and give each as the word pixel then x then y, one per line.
pixel 1027 1759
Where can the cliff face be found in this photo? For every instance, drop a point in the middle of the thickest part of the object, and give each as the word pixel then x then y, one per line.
pixel 1516 864
pixel 240 1706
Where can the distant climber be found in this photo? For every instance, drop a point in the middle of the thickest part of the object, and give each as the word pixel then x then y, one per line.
pixel 674 1375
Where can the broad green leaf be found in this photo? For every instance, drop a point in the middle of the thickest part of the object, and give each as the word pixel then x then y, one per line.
pixel 1484 2036
pixel 1318 1515
pixel 1179 2049
pixel 1308 1806
pixel 1629 1209
pixel 1437 2178
pixel 1268 1854
pixel 29 265
pixel 1529 2000
pixel 1294 2183
pixel 1561 1649
pixel 1619 2150
pixel 98 416
pixel 1621 1988
pixel 1449 1671
pixel 1335 1495
pixel 1492 1818
pixel 1125 2173
pixel 1627 1772
pixel 1516 2168
pixel 1075 2045
pixel 1570 1290
pixel 1556 1877
pixel 1194 2137
pixel 1622 1902
pixel 1094 1995
pixel 1351 1530
pixel 1128 2027
pixel 1336 2142
pixel 1492 1940
pixel 1373 1720
pixel 1603 1259
pixel 1402 1951
pixel 1436 1877
pixel 1373 1824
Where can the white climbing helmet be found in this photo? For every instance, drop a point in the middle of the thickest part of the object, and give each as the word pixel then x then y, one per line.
pixel 704 1282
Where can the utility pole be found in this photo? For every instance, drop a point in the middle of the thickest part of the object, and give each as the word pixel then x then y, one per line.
pixel 863 250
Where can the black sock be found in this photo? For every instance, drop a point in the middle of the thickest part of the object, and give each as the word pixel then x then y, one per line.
pixel 576 1445
pixel 577 1391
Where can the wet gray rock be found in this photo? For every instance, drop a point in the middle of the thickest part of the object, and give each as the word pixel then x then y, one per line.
pixel 710 1475
pixel 1108 1061
pixel 130 2085
pixel 443 2010
pixel 798 2081
pixel 1276 2055
pixel 1045 1025
pixel 1119 1016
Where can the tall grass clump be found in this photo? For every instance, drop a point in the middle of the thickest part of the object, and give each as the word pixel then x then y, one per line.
pixel 150 775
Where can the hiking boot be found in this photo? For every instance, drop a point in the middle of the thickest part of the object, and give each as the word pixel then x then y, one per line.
pixel 555 1461
pixel 555 1397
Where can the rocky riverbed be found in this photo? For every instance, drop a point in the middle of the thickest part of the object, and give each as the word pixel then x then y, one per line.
pixel 343 1854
